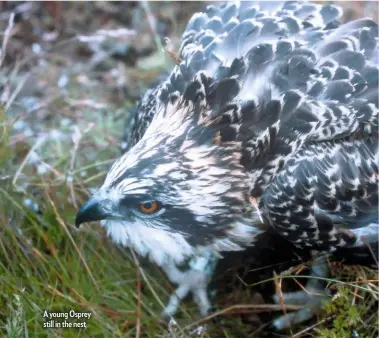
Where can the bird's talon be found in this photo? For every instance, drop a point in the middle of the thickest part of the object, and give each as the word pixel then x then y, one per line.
pixel 312 300
pixel 194 281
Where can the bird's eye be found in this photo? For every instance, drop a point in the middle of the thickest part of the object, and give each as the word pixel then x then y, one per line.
pixel 149 207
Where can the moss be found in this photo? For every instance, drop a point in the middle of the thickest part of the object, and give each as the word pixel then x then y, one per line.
pixel 350 313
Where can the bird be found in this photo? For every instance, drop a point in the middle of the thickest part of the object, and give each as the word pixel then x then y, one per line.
pixel 268 123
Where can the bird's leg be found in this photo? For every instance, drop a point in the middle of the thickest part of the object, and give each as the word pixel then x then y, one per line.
pixel 194 280
pixel 311 298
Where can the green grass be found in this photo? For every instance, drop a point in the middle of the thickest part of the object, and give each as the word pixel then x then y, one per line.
pixel 46 264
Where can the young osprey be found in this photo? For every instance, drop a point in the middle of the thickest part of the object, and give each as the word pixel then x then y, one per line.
pixel 269 121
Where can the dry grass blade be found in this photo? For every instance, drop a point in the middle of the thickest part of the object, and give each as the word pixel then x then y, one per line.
pixel 16 92
pixel 167 47
pixel 255 308
pixel 37 144
pixel 7 36
pixel 311 327
pixel 138 322
pixel 152 22
pixel 62 223
pixel 279 292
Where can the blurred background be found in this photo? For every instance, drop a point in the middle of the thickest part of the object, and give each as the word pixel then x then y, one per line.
pixel 69 74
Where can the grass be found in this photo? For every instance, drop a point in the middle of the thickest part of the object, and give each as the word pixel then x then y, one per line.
pixel 46 264
pixel 51 154
pixel 55 145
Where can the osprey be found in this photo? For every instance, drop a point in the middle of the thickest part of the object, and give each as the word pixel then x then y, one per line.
pixel 269 121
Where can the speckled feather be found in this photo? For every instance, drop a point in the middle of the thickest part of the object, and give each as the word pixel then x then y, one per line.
pixel 280 102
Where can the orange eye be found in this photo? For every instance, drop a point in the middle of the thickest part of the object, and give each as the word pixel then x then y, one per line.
pixel 149 207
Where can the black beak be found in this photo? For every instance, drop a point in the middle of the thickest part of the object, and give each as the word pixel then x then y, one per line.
pixel 89 212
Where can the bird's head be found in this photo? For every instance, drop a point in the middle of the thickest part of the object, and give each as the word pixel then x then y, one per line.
pixel 176 191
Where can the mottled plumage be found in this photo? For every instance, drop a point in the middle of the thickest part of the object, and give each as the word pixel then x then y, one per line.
pixel 297 96
pixel 273 103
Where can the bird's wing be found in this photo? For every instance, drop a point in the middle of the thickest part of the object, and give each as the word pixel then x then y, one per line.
pixel 140 116
pixel 270 84
pixel 327 195
pixel 274 81
pixel 213 39
pixel 306 113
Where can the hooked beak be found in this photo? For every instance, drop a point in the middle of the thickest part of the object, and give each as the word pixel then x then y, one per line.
pixel 90 211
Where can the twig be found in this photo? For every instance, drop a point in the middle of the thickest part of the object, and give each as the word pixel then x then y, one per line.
pixel 256 308
pixel 329 280
pixel 309 328
pixel 279 292
pixel 301 286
